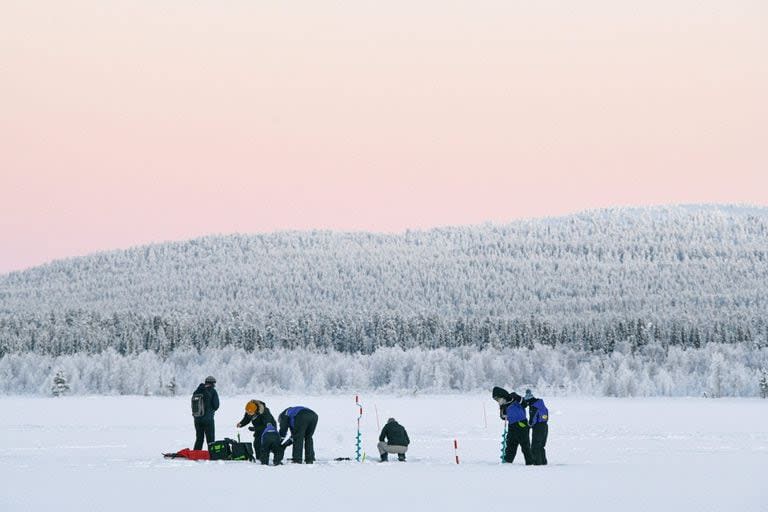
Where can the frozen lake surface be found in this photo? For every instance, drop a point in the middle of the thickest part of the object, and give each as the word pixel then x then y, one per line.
pixel 657 454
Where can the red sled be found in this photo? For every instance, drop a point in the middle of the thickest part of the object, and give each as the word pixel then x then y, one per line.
pixel 186 453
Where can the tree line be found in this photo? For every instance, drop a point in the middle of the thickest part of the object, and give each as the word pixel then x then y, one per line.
pixel 130 333
pixel 682 276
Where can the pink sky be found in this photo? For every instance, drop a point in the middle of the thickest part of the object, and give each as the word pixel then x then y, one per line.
pixel 130 122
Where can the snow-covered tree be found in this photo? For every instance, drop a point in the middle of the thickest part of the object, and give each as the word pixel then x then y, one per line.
pixel 60 386
pixel 172 386
pixel 655 286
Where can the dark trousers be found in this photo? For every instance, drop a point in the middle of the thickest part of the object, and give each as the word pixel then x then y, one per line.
pixel 271 444
pixel 303 428
pixel 257 443
pixel 204 428
pixel 518 435
pixel 538 442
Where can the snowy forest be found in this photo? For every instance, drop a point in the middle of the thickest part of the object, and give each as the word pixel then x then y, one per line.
pixel 622 302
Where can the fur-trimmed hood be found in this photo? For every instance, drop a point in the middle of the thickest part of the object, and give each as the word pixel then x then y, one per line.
pixel 260 407
pixel 500 393
pixel 507 397
pixel 257 406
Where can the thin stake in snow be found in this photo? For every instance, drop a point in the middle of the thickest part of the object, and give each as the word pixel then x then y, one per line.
pixel 485 417
pixel 456 450
pixel 376 409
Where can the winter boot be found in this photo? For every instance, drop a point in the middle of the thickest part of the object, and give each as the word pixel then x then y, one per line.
pixel 401 457
pixel 384 457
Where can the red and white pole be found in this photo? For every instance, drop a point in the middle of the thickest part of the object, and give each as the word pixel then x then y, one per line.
pixel 456 450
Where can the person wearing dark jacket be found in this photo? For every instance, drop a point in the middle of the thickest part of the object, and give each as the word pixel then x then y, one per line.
pixel 269 441
pixel 393 439
pixel 258 414
pixel 538 417
pixel 511 410
pixel 204 425
pixel 302 423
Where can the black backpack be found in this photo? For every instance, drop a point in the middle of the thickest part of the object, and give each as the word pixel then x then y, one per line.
pixel 219 450
pixel 240 451
pixel 198 405
pixel 229 449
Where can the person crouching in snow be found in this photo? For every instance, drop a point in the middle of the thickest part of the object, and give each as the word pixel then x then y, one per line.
pixel 538 417
pixel 269 442
pixel 393 439
pixel 511 410
pixel 258 414
pixel 302 423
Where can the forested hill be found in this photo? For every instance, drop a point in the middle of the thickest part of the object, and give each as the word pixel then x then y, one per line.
pixel 701 270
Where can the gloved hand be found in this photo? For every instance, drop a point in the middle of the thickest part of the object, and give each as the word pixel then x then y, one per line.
pixel 252 429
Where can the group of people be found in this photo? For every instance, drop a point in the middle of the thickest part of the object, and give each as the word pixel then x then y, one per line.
pixel 271 437
pixel 512 410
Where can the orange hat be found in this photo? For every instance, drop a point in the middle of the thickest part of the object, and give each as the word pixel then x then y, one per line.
pixel 251 407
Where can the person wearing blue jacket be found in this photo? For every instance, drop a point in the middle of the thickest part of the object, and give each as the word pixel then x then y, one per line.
pixel 302 422
pixel 538 418
pixel 269 442
pixel 511 410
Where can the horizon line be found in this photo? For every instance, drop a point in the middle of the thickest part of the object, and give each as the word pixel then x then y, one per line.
pixel 277 231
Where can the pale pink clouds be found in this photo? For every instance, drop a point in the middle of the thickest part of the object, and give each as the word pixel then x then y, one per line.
pixel 124 123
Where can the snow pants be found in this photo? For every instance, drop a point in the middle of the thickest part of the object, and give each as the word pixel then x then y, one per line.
pixel 303 428
pixel 517 435
pixel 391 448
pixel 539 434
pixel 204 427
pixel 271 444
pixel 257 443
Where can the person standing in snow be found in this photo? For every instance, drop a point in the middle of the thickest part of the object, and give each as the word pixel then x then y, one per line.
pixel 538 418
pixel 511 410
pixel 204 424
pixel 258 414
pixel 393 439
pixel 302 423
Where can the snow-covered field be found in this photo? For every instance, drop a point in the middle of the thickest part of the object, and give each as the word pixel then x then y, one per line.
pixel 103 453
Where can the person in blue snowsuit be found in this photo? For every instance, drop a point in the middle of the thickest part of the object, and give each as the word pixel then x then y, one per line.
pixel 302 422
pixel 269 442
pixel 511 410
pixel 538 418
